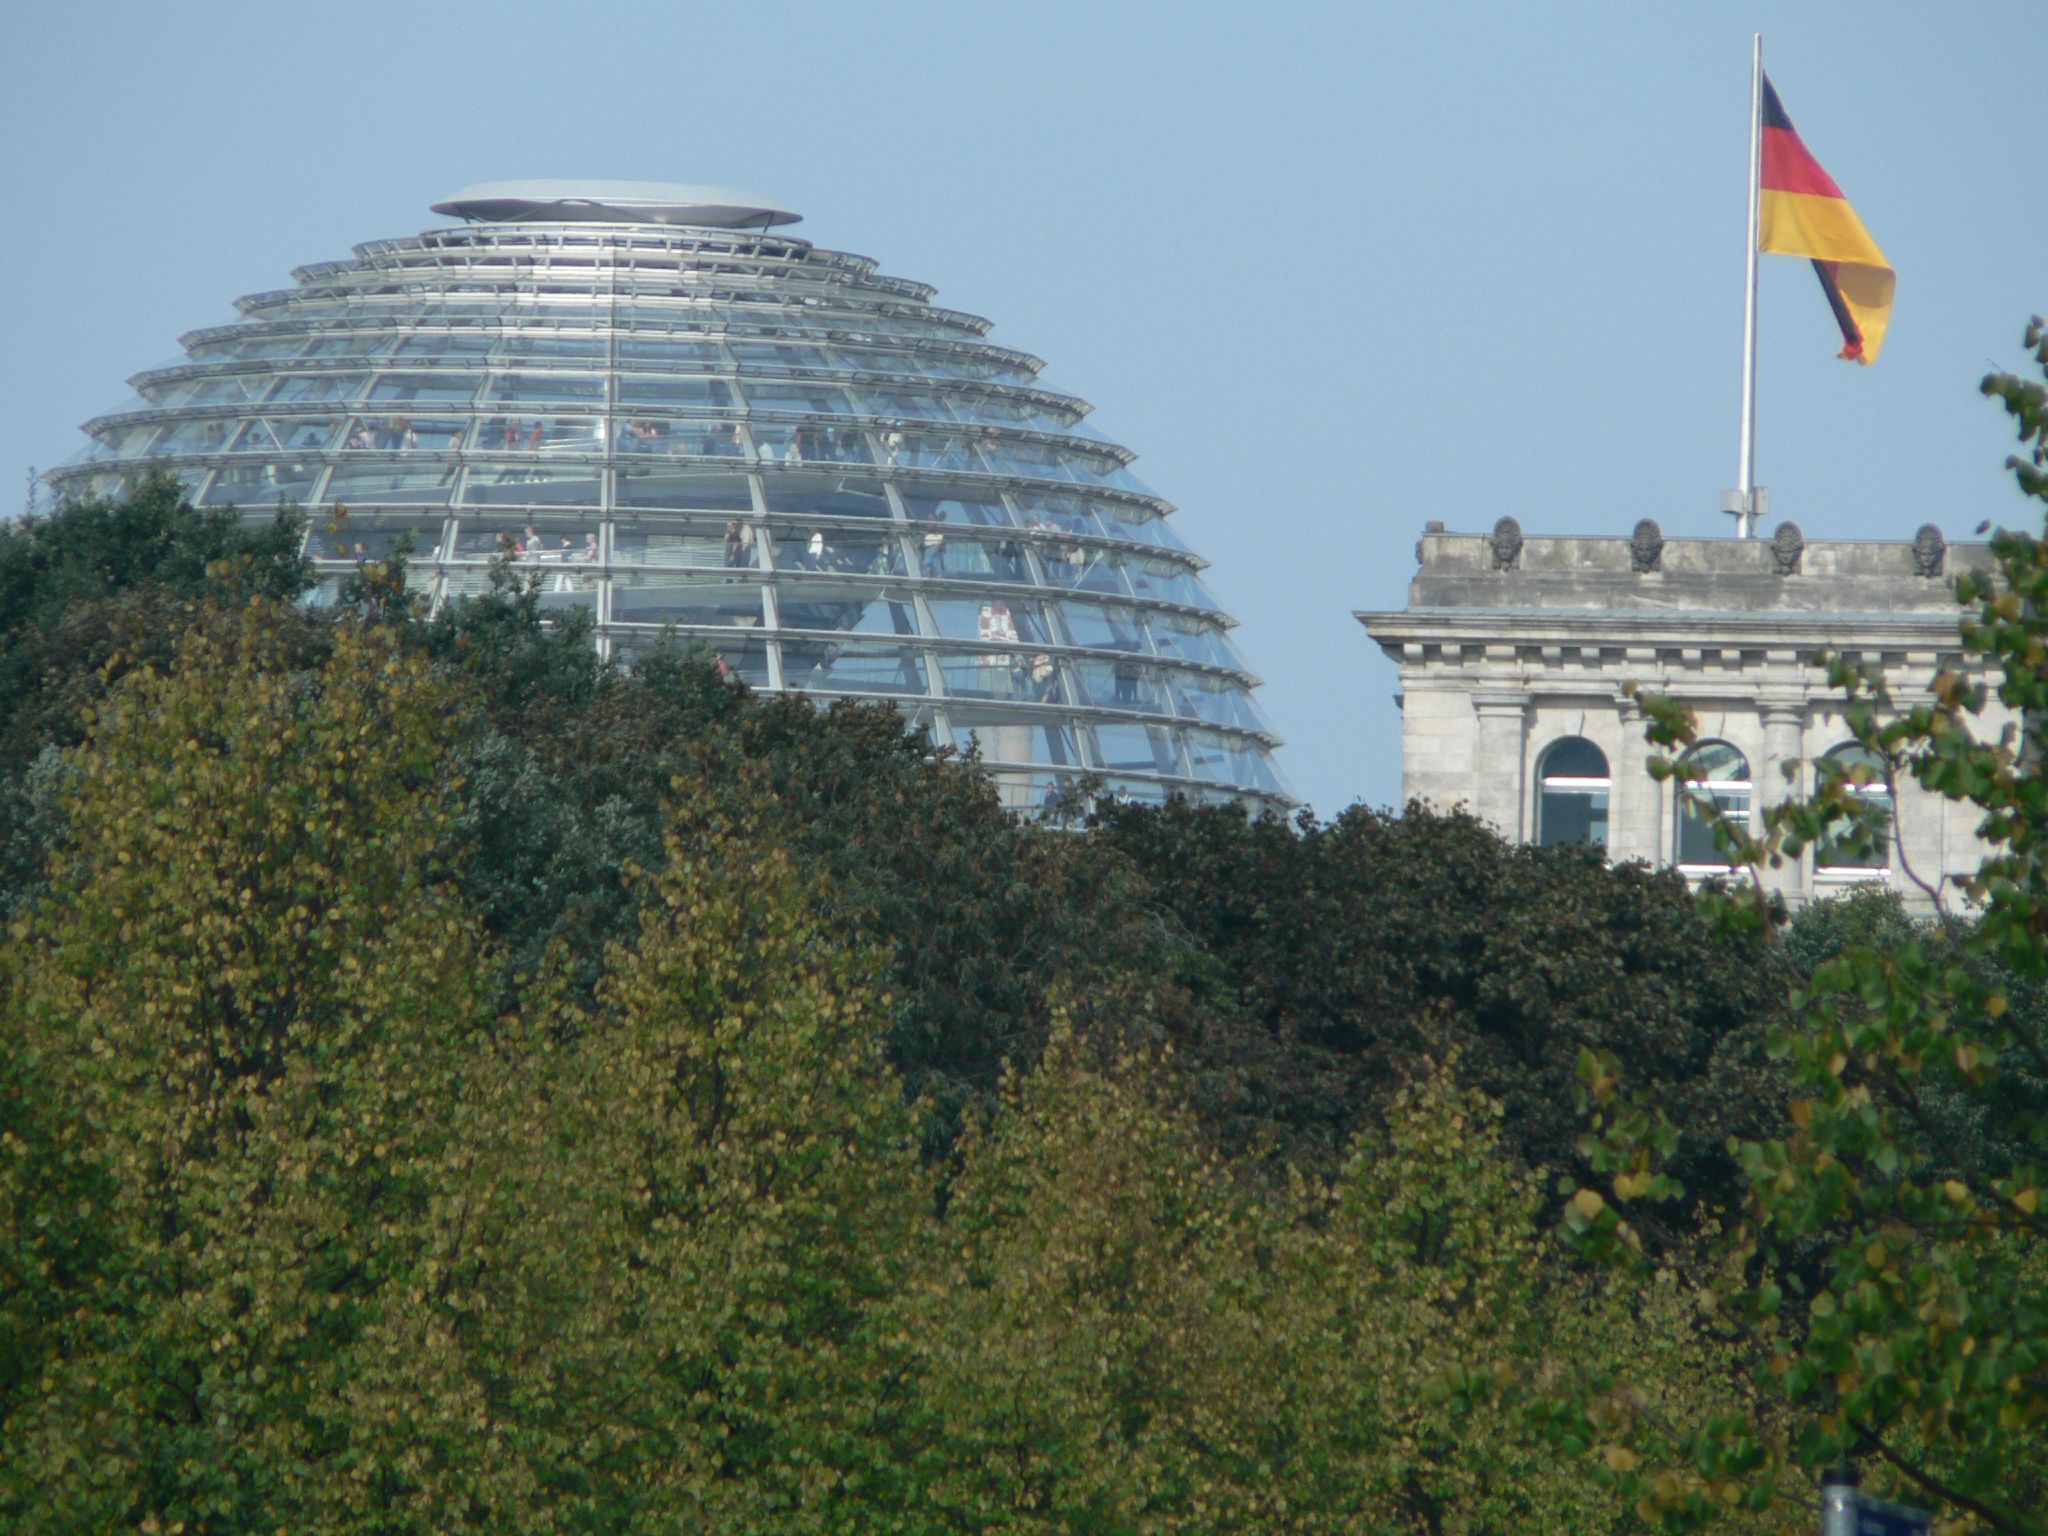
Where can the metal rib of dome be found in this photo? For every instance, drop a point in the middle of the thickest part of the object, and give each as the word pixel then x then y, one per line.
pixel 771 449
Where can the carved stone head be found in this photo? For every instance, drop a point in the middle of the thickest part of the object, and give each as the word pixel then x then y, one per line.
pixel 1645 547
pixel 1930 550
pixel 1787 545
pixel 1507 544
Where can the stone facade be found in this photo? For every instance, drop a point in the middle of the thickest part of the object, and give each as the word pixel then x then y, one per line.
pixel 1511 645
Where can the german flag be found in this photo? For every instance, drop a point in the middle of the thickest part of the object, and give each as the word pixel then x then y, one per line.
pixel 1803 213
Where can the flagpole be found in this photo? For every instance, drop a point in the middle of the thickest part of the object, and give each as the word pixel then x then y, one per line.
pixel 1746 501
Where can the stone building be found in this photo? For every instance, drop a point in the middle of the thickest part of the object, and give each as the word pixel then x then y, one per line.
pixel 1514 654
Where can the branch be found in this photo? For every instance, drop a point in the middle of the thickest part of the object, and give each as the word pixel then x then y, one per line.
pixel 1940 1489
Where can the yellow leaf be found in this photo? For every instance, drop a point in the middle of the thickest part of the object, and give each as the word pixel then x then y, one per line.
pixel 1587 1203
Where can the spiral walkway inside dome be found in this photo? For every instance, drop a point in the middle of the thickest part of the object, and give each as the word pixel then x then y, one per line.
pixel 674 418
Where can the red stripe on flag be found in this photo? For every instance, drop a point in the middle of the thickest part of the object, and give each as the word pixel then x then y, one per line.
pixel 1789 167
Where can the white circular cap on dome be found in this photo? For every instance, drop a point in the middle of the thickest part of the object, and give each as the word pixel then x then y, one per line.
pixel 613 202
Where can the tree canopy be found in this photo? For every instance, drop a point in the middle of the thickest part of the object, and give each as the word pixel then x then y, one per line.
pixel 454 1083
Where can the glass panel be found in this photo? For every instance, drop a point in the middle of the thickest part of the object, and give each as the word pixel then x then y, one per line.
pixel 540 540
pixel 1840 851
pixel 677 394
pixel 1137 748
pixel 373 536
pixel 845 605
pixel 918 406
pixel 1571 816
pixel 1574 757
pixel 1140 792
pixel 255 485
pixel 406 434
pixel 358 344
pixel 1120 685
pixel 1251 766
pixel 1214 699
pixel 328 386
pixel 1013 456
pixel 677 439
pixel 446 344
pixel 1697 806
pixel 552 344
pixel 995 622
pixel 423 389
pixel 235 388
pixel 1082 568
pixel 818 667
pixel 813 398
pixel 280 435
pixel 1056 514
pixel 680 354
pixel 1023 676
pixel 969 507
pixel 876 552
pixel 767 354
pixel 965 559
pixel 932 450
pixel 1168 583
pixel 531 434
pixel 1191 640
pixel 498 485
pixel 806 443
pixel 1122 521
pixel 1713 780
pixel 1005 741
pixel 430 480
pixel 546 388
pixel 1103 628
pixel 867 360
pixel 119 443
pixel 825 495
pixel 208 436
pixel 707 543
pixel 679 487
pixel 703 600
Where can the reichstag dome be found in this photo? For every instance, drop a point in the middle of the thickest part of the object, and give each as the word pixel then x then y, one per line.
pixel 671 417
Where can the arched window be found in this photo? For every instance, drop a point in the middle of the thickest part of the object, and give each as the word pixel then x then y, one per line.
pixel 1840 853
pixel 1571 794
pixel 1713 781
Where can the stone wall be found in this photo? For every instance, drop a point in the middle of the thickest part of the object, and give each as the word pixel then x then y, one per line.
pixel 1511 643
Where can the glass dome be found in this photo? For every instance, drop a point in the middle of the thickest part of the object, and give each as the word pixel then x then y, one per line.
pixel 673 418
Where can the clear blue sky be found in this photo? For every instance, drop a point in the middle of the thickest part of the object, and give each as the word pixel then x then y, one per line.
pixel 1331 270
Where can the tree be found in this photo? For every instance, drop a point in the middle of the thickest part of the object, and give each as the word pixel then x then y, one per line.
pixel 236 1029
pixel 714 1191
pixel 1892 1223
pixel 88 593
pixel 1325 959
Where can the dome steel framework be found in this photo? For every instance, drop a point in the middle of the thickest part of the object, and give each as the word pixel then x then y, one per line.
pixel 773 450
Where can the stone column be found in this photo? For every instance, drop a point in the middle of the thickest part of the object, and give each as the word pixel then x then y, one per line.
pixel 1784 742
pixel 1636 827
pixel 1499 775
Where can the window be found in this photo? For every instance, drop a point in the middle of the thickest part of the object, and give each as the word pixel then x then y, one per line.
pixel 1571 795
pixel 1713 781
pixel 1853 850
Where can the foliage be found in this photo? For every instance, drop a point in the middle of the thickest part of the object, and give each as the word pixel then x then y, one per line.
pixel 89 592
pixel 1914 1141
pixel 454 1083
pixel 234 1035
pixel 1331 957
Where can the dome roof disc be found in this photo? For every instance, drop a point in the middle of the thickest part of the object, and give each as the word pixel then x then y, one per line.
pixel 613 202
